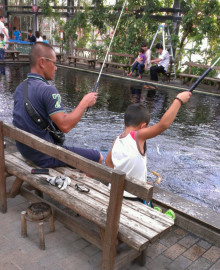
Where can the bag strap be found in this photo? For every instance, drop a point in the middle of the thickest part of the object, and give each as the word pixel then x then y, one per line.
pixel 35 116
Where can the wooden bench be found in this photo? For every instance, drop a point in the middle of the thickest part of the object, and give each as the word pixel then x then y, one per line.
pixel 12 54
pixel 189 76
pixel 117 60
pixel 121 228
pixel 82 55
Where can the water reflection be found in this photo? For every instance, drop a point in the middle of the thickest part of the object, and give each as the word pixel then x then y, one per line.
pixel 187 155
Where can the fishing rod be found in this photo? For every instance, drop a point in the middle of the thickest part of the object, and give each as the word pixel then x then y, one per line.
pixel 202 76
pixel 100 73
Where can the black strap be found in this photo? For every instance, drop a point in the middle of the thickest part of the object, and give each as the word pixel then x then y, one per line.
pixel 35 116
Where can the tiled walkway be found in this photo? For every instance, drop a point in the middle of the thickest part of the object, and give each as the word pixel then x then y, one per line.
pixel 65 250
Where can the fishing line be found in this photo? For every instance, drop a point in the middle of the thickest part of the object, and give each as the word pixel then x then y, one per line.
pixel 106 55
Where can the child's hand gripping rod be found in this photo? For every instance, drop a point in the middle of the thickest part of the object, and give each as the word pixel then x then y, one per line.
pixel 202 76
pixel 106 55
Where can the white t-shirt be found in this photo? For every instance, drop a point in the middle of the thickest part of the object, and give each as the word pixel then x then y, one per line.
pixel 40 39
pixel 5 38
pixel 2 26
pixel 127 158
pixel 148 58
pixel 165 59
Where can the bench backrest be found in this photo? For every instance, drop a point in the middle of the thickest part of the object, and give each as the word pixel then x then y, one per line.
pixel 192 64
pixel 84 52
pixel 99 171
pixel 122 58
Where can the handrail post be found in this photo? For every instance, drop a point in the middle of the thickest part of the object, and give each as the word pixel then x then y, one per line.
pixel 113 218
pixel 3 196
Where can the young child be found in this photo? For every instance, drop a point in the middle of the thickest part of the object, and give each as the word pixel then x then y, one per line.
pixel 16 34
pixel 2 47
pixel 139 63
pixel 128 153
pixel 45 39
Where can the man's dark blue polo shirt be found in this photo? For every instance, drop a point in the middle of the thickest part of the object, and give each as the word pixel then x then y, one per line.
pixel 47 101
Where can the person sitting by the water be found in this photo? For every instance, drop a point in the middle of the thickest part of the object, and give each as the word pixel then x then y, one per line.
pixel 128 153
pixel 31 37
pixel 38 37
pixel 162 62
pixel 46 100
pixel 147 54
pixel 2 47
pixel 45 39
pixel 16 34
pixel 139 63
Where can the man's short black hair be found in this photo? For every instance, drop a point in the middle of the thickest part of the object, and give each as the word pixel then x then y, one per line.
pixel 144 44
pixel 30 31
pixel 141 50
pixel 159 46
pixel 136 114
pixel 39 49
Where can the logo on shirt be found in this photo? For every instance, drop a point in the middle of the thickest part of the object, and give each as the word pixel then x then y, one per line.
pixel 58 97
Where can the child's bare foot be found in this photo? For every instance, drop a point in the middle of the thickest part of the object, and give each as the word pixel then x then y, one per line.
pixel 139 77
pixel 129 74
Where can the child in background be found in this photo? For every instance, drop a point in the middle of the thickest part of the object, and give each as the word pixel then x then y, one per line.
pixel 128 153
pixel 2 47
pixel 16 34
pixel 45 39
pixel 139 63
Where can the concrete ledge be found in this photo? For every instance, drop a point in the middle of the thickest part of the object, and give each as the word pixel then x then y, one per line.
pixel 190 216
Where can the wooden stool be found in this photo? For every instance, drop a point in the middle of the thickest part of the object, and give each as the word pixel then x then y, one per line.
pixel 37 212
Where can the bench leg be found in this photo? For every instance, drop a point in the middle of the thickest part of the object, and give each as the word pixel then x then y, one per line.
pixel 141 260
pixel 112 222
pixel 3 195
pixel 15 188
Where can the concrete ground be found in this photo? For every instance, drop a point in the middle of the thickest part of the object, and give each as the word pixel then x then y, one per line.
pixel 65 250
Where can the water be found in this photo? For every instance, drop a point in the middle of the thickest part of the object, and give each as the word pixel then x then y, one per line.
pixel 187 155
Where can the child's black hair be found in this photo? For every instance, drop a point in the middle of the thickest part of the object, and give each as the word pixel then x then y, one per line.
pixel 2 35
pixel 136 114
pixel 141 50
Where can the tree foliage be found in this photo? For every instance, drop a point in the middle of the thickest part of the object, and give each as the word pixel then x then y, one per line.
pixel 200 20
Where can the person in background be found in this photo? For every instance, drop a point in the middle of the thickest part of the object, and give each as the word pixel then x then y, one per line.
pixel 139 63
pixel 2 47
pixel 31 37
pixel 16 33
pixel 38 37
pixel 148 55
pixel 2 27
pixel 45 39
pixel 162 62
pixel 6 38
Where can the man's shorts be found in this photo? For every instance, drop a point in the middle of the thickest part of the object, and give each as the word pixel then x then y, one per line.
pixel 87 153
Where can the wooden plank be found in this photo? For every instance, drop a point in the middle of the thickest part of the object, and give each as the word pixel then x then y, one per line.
pixel 112 222
pixel 3 196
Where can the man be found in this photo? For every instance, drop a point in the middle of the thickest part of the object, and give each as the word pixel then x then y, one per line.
pixel 2 27
pixel 31 37
pixel 47 102
pixel 162 62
